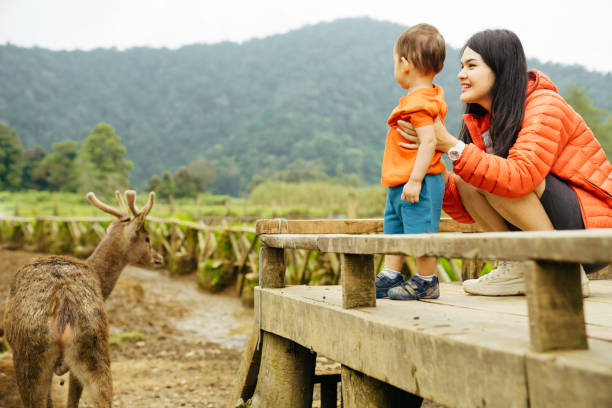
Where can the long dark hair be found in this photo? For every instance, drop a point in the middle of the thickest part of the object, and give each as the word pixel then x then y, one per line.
pixel 503 52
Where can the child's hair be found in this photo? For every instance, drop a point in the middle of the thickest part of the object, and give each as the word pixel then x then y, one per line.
pixel 424 47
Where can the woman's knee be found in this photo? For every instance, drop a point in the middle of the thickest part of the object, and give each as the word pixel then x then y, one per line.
pixel 464 188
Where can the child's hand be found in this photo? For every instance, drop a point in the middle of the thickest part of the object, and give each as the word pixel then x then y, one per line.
pixel 411 191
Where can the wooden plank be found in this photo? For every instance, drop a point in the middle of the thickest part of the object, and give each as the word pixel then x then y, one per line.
pixel 358 289
pixel 556 378
pixel 291 241
pixel 348 226
pixel 554 302
pixel 590 246
pixel 322 226
pixel 244 387
pixel 424 350
pixel 597 310
pixel 430 348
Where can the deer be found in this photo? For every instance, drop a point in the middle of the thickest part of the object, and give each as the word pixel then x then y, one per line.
pixel 55 319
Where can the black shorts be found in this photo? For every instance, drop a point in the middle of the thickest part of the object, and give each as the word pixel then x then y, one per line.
pixel 561 204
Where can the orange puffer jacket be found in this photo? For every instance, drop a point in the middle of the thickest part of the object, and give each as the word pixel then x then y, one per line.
pixel 553 139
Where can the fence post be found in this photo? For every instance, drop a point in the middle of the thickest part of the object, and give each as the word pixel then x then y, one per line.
pixel 555 307
pixel 358 288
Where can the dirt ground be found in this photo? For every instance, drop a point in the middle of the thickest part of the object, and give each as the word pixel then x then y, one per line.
pixel 184 352
pixel 181 346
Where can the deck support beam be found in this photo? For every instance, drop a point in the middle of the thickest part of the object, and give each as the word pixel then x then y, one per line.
pixel 286 374
pixel 359 390
pixel 286 371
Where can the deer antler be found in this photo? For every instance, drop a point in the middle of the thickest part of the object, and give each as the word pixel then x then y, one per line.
pixel 121 202
pixel 104 207
pixel 149 203
pixel 131 199
pixel 130 196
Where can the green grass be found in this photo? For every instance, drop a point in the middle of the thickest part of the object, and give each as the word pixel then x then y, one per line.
pixel 131 337
pixel 268 200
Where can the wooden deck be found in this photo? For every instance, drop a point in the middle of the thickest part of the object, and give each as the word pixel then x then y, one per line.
pixel 546 349
pixel 458 350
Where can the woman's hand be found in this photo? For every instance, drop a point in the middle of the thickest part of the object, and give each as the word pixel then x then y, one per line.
pixel 444 140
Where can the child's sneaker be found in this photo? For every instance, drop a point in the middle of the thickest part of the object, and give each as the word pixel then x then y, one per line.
pixel 386 280
pixel 416 288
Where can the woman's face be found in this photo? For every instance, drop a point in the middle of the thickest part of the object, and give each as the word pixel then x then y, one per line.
pixel 476 79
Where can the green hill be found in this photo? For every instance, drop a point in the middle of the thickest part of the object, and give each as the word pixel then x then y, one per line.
pixel 318 94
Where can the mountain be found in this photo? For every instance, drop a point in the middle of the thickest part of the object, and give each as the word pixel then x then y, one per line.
pixel 321 94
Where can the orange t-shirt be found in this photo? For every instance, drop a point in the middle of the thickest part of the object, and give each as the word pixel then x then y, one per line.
pixel 420 108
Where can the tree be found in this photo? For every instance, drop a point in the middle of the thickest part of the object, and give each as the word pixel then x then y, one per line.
pixel 184 183
pixel 203 174
pixel 166 188
pixel 153 183
pixel 105 168
pixel 11 158
pixel 598 119
pixel 59 169
pixel 32 158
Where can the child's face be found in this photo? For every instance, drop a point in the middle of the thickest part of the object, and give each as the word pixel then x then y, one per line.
pixel 400 69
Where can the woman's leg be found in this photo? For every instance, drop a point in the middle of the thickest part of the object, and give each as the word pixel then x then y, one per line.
pixel 491 211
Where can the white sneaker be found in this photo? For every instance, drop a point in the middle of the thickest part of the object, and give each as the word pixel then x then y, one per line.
pixel 509 279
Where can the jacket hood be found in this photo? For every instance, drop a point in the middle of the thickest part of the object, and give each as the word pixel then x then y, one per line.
pixel 538 80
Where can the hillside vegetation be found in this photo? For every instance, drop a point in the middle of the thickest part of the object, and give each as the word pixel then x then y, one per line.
pixel 319 95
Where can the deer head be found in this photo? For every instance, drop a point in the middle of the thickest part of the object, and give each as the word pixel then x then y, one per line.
pixel 128 236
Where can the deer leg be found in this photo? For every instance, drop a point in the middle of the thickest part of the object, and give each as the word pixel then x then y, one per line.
pixel 92 371
pixel 34 377
pixel 75 388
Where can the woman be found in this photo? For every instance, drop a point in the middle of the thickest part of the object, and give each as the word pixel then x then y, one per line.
pixel 524 159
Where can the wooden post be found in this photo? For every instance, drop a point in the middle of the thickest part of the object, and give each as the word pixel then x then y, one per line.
pixel 286 374
pixel 273 267
pixel 358 288
pixel 287 369
pixel 329 391
pixel 359 390
pixel 554 302
pixel 471 268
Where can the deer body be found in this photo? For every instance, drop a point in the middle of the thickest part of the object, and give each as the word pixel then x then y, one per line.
pixel 55 318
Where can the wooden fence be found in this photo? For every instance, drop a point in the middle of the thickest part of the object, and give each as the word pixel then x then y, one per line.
pixel 220 254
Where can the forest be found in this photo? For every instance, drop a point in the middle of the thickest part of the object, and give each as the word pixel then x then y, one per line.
pixel 307 105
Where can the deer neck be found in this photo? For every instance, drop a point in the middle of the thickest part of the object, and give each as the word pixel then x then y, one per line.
pixel 107 261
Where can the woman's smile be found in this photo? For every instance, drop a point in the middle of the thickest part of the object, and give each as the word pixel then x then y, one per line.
pixel 476 79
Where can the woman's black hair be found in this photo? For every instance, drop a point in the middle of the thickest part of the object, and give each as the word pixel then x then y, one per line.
pixel 503 52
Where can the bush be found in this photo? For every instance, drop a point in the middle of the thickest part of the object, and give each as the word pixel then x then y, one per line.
pixel 215 276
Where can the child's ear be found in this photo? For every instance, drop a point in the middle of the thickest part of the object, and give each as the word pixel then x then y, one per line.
pixel 406 65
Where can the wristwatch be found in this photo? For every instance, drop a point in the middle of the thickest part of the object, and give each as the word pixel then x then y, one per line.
pixel 454 153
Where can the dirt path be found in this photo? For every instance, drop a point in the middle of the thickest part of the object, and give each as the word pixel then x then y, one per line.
pixel 181 347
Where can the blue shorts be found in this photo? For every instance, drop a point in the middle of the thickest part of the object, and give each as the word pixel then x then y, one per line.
pixel 403 217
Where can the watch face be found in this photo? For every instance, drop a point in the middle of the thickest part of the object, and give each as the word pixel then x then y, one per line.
pixel 453 154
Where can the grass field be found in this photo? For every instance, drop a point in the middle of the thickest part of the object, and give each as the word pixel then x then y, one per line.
pixel 268 200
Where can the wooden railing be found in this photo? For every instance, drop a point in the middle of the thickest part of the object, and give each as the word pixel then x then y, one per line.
pixel 220 253
pixel 463 354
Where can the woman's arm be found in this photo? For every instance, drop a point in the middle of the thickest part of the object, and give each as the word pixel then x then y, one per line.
pixel 528 162
pixel 444 140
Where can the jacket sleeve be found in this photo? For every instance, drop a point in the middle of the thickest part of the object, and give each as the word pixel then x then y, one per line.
pixel 451 203
pixel 529 159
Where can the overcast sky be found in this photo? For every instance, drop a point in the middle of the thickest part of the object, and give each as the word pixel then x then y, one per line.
pixel 559 31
